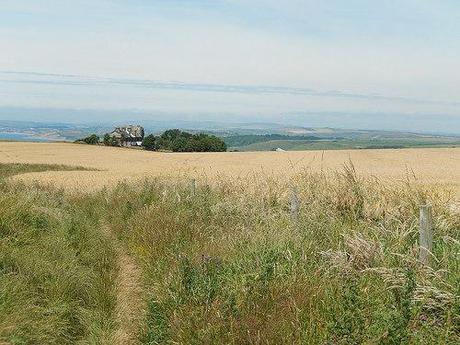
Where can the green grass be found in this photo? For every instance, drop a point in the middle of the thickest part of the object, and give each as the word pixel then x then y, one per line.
pixel 245 140
pixel 228 265
pixel 8 170
pixel 56 268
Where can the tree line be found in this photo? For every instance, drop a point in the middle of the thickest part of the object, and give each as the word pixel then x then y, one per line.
pixel 179 141
pixel 173 140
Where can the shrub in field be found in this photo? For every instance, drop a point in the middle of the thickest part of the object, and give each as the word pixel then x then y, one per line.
pixel 109 140
pixel 93 139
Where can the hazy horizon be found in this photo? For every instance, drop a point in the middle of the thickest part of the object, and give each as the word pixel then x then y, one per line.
pixel 343 64
pixel 206 121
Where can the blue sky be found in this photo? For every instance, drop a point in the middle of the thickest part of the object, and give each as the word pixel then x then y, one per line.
pixel 261 60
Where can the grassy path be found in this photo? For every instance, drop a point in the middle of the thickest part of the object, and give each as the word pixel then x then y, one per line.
pixel 57 269
pixel 129 310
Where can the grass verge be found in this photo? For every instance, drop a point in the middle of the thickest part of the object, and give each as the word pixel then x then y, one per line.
pixel 8 170
pixel 56 267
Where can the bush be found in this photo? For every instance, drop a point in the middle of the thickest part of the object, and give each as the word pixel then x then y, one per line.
pixel 93 139
pixel 150 143
pixel 110 141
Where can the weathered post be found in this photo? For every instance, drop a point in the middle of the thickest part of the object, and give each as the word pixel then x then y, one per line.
pixel 294 204
pixel 426 234
pixel 193 186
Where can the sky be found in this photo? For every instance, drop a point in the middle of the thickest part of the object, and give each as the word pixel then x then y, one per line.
pixel 387 64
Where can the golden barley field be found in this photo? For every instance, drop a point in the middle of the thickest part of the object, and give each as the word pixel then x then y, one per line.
pixel 111 165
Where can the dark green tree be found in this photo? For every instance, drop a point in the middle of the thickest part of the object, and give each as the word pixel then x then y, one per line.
pixel 179 141
pixel 151 143
pixel 93 139
pixel 109 140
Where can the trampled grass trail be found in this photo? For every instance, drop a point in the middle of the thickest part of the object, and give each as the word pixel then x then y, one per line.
pixel 130 300
pixel 118 300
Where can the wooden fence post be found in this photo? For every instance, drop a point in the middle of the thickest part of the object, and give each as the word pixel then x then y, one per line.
pixel 294 204
pixel 426 234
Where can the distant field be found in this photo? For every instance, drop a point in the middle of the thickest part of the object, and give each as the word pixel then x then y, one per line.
pixel 345 143
pixel 434 165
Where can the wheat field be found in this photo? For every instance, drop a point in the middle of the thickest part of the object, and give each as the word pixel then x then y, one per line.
pixel 112 165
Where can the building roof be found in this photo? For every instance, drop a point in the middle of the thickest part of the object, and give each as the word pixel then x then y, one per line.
pixel 129 132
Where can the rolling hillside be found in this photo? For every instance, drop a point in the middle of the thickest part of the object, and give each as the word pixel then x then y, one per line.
pixel 331 139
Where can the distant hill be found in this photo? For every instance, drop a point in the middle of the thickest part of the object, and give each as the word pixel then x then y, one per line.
pixel 332 139
pixel 244 140
pixel 240 136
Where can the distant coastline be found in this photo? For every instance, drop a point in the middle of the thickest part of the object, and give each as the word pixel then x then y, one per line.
pixel 13 136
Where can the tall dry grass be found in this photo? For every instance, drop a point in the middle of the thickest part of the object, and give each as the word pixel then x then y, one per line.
pixel 228 265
